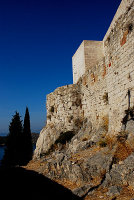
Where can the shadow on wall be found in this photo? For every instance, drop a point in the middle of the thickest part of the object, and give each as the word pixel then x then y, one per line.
pixel 20 183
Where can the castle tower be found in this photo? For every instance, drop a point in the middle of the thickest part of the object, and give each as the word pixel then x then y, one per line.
pixel 87 55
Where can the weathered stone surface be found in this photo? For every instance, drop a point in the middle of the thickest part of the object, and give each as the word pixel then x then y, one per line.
pixel 88 54
pixel 82 190
pixel 121 174
pixel 105 86
pixel 130 126
pixel 47 137
pixel 80 115
pixel 114 191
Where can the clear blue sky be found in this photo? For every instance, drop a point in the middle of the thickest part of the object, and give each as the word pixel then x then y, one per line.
pixel 37 41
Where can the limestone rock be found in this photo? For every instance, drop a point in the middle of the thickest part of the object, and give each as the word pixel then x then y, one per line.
pixel 121 174
pixel 47 138
pixel 114 191
pixel 82 190
pixel 90 109
pixel 130 126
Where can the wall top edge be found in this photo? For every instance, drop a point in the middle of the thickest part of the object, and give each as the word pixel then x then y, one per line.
pixel 124 5
pixel 83 44
pixel 62 88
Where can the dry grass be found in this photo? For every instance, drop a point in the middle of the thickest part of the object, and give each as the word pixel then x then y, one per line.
pixel 101 194
pixel 68 183
pixel 105 122
pixel 111 141
pixel 84 154
pixel 34 165
pixel 127 193
pixel 122 152
pixel 97 179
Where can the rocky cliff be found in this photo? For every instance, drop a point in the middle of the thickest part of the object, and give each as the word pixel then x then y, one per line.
pixel 93 165
pixel 87 144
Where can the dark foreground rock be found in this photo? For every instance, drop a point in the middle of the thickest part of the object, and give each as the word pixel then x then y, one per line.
pixel 19 183
pixel 3 140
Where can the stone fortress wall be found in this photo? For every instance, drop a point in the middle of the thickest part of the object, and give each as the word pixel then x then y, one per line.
pixel 119 60
pixel 87 55
pixel 64 107
pixel 103 76
pixel 104 72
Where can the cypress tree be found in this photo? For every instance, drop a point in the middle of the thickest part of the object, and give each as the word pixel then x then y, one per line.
pixel 27 138
pixel 13 150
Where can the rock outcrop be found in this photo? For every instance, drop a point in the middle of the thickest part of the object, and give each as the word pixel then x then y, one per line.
pixel 87 144
pixel 92 165
pixel 104 89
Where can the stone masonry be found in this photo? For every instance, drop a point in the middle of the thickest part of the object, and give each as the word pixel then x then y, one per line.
pixel 64 107
pixel 119 60
pixel 107 80
pixel 103 75
pixel 87 55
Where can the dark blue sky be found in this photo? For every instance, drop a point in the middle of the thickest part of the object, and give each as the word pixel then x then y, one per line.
pixel 37 41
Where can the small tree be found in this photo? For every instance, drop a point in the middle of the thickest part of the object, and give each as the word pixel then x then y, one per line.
pixel 27 138
pixel 13 150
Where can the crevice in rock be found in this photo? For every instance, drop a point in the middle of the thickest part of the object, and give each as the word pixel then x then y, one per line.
pixel 81 169
pixel 102 181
